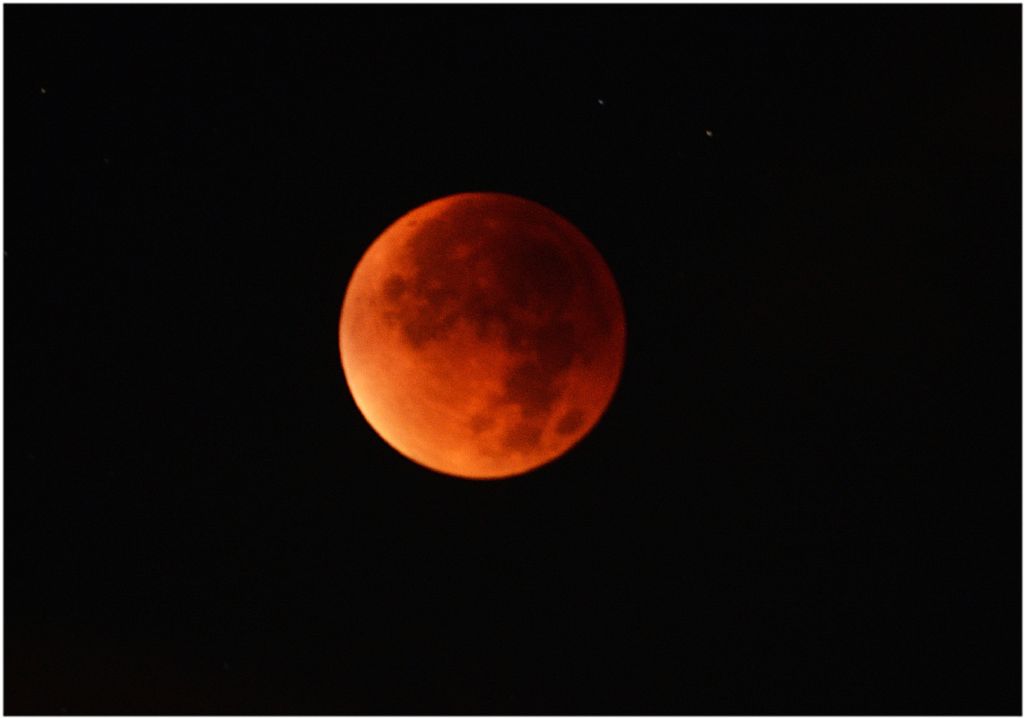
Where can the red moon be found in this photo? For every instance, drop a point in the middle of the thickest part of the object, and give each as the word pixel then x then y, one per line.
pixel 482 335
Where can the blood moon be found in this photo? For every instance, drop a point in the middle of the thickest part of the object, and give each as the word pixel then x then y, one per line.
pixel 482 335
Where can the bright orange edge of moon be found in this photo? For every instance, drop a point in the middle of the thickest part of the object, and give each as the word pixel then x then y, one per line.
pixel 482 335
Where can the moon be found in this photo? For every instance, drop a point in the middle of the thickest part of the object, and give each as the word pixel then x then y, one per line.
pixel 482 335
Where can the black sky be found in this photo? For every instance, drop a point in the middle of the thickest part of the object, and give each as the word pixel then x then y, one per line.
pixel 805 497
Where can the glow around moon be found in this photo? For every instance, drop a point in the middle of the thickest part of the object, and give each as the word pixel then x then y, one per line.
pixel 482 335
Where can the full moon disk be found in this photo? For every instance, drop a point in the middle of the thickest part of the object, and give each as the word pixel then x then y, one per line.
pixel 482 335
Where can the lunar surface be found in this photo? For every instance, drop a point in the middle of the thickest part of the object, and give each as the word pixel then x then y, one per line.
pixel 482 335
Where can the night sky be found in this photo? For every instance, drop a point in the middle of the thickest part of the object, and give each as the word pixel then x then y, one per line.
pixel 805 496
